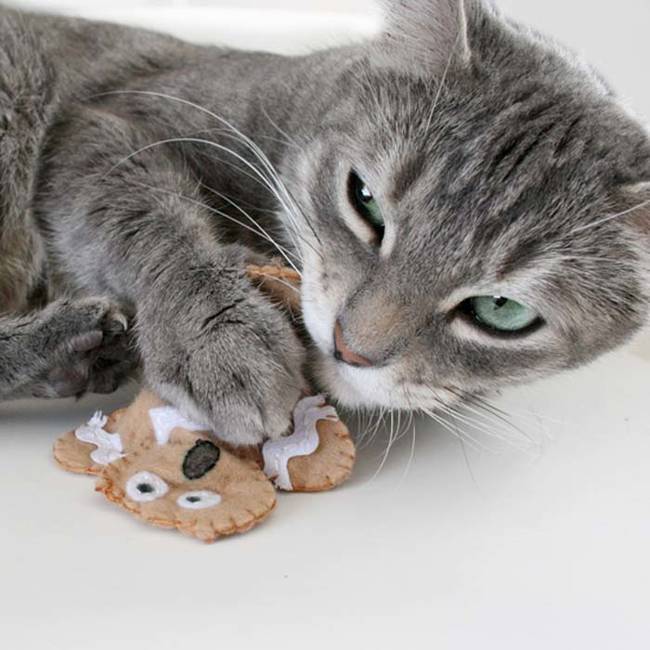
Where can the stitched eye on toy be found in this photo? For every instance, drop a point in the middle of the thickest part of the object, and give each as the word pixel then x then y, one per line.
pixel 199 500
pixel 366 205
pixel 200 460
pixel 145 487
pixel 497 314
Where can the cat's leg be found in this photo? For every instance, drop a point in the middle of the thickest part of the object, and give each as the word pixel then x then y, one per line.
pixel 64 350
pixel 211 343
pixel 27 100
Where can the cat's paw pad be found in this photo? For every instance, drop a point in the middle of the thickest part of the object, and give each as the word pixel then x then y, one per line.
pixel 91 349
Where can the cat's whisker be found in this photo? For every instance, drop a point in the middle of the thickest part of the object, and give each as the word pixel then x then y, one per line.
pixel 243 212
pixel 395 435
pixel 411 457
pixel 467 463
pixel 609 218
pixel 217 146
pixel 368 440
pixel 493 417
pixel 259 231
pixel 389 446
pixel 486 430
pixel 402 430
pixel 441 85
pixel 458 435
pixel 288 285
pixel 368 428
pixel 274 177
pixel 483 409
pixel 289 141
pixel 521 413
pixel 477 446
pixel 521 441
pixel 226 132
pixel 279 190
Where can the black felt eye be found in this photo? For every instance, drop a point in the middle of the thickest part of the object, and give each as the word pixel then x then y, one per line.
pixel 145 488
pixel 200 460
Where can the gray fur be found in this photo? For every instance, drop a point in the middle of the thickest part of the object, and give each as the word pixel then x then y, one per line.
pixel 503 167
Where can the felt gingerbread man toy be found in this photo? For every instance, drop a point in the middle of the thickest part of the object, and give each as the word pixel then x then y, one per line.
pixel 171 472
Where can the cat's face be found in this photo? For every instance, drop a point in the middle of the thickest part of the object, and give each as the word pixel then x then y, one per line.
pixel 461 234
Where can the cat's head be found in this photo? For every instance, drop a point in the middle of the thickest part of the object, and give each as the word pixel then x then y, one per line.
pixel 475 205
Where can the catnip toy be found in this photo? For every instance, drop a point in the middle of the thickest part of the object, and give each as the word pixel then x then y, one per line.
pixel 165 469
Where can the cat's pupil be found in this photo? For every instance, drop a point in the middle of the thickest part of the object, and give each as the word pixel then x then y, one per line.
pixel 500 302
pixel 194 499
pixel 364 202
pixel 365 195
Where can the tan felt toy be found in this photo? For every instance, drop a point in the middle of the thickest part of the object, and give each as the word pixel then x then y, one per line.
pixel 171 472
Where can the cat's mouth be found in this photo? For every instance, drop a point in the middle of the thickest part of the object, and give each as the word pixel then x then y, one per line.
pixel 354 386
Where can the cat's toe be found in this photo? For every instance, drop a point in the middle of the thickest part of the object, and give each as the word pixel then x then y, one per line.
pixel 106 377
pixel 93 351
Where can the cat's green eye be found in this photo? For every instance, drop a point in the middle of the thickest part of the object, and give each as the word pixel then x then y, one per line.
pixel 501 314
pixel 366 205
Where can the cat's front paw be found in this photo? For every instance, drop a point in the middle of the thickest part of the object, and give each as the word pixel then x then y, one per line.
pixel 236 368
pixel 259 408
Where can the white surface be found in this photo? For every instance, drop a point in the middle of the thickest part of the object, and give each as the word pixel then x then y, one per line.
pixel 540 550
pixel 508 550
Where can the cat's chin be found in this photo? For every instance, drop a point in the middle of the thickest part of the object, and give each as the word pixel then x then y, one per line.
pixel 365 388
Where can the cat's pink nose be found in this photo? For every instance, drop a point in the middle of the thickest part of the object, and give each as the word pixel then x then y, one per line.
pixel 343 353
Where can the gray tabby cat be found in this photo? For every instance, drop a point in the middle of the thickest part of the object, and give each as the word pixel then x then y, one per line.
pixel 469 205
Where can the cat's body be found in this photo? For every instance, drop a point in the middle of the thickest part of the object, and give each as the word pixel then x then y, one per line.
pixel 498 161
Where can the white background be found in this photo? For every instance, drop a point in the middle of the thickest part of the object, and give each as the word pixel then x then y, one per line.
pixel 545 547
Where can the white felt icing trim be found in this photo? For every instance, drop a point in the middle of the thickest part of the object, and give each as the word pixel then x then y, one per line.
pixel 109 445
pixel 303 442
pixel 199 500
pixel 167 418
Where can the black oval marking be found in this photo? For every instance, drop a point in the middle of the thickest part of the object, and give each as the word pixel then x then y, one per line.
pixel 200 460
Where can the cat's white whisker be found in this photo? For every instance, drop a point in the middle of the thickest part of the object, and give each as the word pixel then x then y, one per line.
pixel 473 404
pixel 282 282
pixel 258 230
pixel 486 430
pixel 520 441
pixel 436 417
pixel 612 217
pixel 243 212
pixel 289 141
pixel 220 147
pixel 441 86
pixel 389 446
pixel 278 189
pixel 411 457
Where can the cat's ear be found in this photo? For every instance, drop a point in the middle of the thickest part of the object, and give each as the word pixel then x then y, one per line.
pixel 424 37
